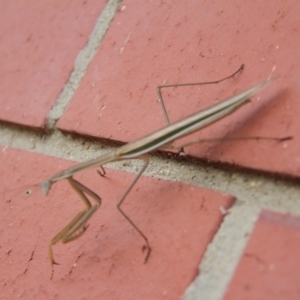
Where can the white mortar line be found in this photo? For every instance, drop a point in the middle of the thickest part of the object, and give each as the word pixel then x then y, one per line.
pixel 82 61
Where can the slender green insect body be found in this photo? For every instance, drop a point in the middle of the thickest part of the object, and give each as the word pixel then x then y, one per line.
pixel 163 136
pixel 139 149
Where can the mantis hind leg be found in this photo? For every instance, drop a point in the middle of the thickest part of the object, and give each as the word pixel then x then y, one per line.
pixel 160 87
pixel 146 160
pixel 227 139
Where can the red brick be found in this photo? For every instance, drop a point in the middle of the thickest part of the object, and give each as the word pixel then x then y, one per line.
pixel 179 220
pixel 270 266
pixel 152 42
pixel 39 44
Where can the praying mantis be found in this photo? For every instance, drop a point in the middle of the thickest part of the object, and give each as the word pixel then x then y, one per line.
pixel 140 149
